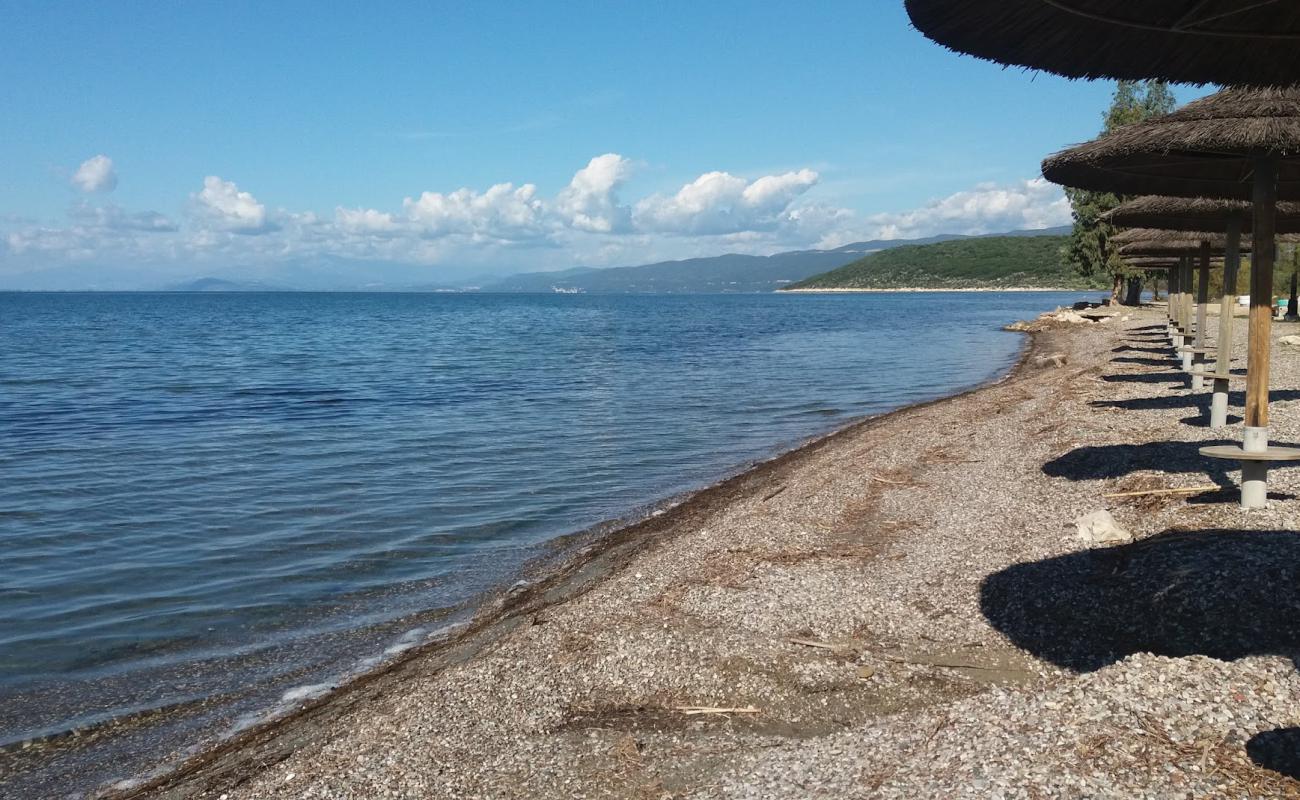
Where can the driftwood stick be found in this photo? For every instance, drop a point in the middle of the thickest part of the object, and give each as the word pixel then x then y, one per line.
pixel 1185 490
pixel 775 493
pixel 698 710
pixel 835 647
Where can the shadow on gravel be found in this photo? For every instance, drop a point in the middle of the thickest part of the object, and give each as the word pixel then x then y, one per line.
pixel 1202 420
pixel 1128 348
pixel 1150 362
pixel 1097 462
pixel 1277 750
pixel 1237 399
pixel 1225 594
pixel 1230 494
pixel 1147 377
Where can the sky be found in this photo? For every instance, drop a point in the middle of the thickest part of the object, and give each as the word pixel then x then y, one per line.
pixel 429 143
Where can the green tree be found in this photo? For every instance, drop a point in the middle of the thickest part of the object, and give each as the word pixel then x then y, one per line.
pixel 1089 251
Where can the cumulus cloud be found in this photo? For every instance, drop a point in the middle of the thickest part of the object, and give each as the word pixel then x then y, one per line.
pixel 221 204
pixel 589 203
pixel 96 174
pixel 721 203
pixel 365 221
pixel 988 208
pixel 586 221
pixel 503 212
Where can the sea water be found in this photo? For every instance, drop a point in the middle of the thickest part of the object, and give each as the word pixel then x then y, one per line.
pixel 209 502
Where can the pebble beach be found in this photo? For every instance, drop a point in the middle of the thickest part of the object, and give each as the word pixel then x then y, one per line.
pixel 905 608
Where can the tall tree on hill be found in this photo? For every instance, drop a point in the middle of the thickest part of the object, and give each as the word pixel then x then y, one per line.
pixel 1089 251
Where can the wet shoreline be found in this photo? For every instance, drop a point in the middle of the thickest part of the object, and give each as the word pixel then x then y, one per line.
pixel 573 564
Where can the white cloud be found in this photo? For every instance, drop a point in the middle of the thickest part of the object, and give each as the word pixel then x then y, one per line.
pixel 365 221
pixel 987 208
pixel 589 202
pixel 511 224
pixel 96 174
pixel 226 208
pixel 718 203
pixel 503 213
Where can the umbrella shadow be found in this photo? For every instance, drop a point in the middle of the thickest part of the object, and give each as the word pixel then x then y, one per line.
pixel 1150 362
pixel 1236 398
pixel 1202 420
pixel 1128 348
pixel 1147 377
pixel 1220 593
pixel 1100 462
pixel 1277 750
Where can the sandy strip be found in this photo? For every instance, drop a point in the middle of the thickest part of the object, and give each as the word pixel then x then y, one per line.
pixel 913 289
pixel 899 610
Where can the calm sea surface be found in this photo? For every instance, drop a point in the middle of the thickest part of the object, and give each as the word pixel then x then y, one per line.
pixel 209 499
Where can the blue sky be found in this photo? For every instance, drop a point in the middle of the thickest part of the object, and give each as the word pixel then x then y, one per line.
pixel 246 136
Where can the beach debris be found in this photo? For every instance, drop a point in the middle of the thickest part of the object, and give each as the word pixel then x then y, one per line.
pixel 1155 492
pixel 1054 360
pixel 628 749
pixel 1100 528
pixel 878 479
pixel 692 711
pixel 866 673
pixel 1293 340
pixel 838 648
pixel 775 493
pixel 1022 326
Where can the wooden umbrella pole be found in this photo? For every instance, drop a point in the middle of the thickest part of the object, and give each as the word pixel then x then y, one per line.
pixel 1171 292
pixel 1227 302
pixel 1178 305
pixel 1261 294
pixel 1202 300
pixel 1188 332
pixel 1254 472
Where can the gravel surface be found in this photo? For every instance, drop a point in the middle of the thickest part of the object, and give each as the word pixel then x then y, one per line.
pixel 902 610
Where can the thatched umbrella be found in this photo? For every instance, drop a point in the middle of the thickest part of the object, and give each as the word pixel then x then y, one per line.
pixel 1197 214
pixel 1162 243
pixel 1241 42
pixel 1203 246
pixel 1235 144
pixel 1230 217
pixel 1157 267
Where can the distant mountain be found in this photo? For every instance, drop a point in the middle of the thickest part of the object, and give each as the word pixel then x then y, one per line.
pixel 223 285
pixel 1013 260
pixel 726 273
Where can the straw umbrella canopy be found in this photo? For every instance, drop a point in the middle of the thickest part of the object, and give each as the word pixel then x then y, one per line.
pixel 1151 263
pixel 1167 241
pixel 1239 42
pixel 1235 144
pixel 1207 148
pixel 1196 214
pixel 1172 247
